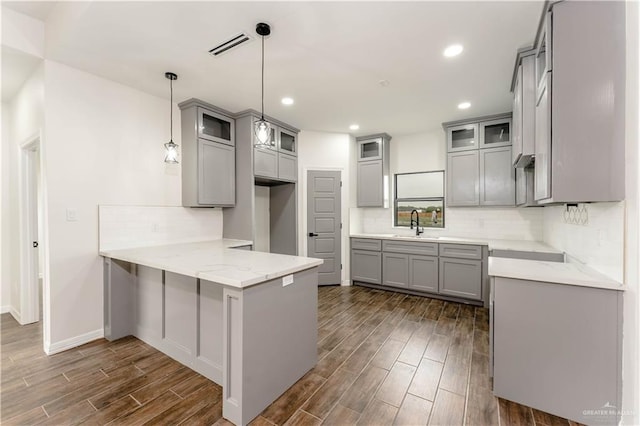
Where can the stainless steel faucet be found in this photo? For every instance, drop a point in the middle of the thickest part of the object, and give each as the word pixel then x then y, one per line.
pixel 417 222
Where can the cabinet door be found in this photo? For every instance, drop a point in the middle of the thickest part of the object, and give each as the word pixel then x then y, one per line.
pixel 463 185
pixel 287 141
pixel 370 149
pixel 370 184
pixel 395 270
pixel 366 266
pixel 215 127
pixel 495 133
pixel 516 127
pixel 287 167
pixel 461 278
pixel 423 273
pixel 524 187
pixel 216 173
pixel 497 177
pixel 265 163
pixel 462 138
pixel 543 143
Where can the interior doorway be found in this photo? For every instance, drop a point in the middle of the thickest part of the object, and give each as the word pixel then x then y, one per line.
pixel 324 223
pixel 31 217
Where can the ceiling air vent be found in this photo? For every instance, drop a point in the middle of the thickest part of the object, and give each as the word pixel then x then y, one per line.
pixel 232 43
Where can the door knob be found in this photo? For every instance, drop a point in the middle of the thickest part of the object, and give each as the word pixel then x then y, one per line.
pixel 313 234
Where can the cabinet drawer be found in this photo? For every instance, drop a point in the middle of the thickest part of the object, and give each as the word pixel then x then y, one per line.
pixel 365 244
pixel 410 247
pixel 461 251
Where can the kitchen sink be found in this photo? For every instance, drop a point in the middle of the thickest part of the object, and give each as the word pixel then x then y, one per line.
pixel 414 237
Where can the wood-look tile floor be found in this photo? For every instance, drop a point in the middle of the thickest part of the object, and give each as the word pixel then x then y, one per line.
pixel 383 358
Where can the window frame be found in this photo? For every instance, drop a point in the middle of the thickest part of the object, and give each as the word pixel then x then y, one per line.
pixel 396 199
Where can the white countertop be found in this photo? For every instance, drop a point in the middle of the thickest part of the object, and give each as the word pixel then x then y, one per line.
pixel 494 244
pixel 216 261
pixel 552 272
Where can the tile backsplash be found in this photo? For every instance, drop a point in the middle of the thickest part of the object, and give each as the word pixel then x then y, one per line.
pixel 122 227
pixel 494 223
pixel 597 241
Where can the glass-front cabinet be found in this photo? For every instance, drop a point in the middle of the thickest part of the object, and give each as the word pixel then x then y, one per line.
pixel 215 127
pixel 495 133
pixel 287 141
pixel 462 138
pixel 370 149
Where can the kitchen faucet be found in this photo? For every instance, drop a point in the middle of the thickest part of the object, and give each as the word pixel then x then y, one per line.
pixel 417 222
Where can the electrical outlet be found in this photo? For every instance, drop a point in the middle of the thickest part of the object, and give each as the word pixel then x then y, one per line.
pixel 286 280
pixel 72 215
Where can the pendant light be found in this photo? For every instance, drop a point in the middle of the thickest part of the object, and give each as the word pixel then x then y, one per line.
pixel 171 149
pixel 262 128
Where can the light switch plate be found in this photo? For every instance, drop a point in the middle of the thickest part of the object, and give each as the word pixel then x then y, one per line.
pixel 286 280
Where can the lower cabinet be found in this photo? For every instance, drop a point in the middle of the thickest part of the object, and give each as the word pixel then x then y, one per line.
pixel 454 270
pixel 366 266
pixel 395 269
pixel 423 273
pixel 461 278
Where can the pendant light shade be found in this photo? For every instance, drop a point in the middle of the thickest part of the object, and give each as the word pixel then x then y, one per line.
pixel 262 128
pixel 171 149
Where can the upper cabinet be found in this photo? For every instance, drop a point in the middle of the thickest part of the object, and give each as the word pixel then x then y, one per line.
pixel 208 155
pixel 479 162
pixel 287 141
pixel 580 103
pixel 524 106
pixel 373 170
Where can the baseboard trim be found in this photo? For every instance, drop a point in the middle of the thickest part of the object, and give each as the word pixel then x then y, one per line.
pixel 63 345
pixel 5 309
pixel 15 314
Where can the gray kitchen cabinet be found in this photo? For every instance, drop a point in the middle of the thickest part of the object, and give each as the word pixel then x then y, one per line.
pixel 497 177
pixel 366 266
pixel 216 174
pixel 423 273
pixel 462 137
pixel 370 186
pixel 461 278
pixel 557 348
pixel 580 148
pixel 463 179
pixel 265 163
pixel 287 141
pixel 525 196
pixel 258 168
pixel 208 155
pixel 395 269
pixel 524 106
pixel 373 170
pixel 495 133
pixel 479 172
pixel 287 167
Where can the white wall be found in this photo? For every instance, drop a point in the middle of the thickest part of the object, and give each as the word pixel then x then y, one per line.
pixel 425 152
pixel 599 243
pixel 631 312
pixel 324 151
pixel 103 145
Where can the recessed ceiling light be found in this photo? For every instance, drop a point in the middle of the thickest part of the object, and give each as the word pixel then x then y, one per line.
pixel 287 101
pixel 354 127
pixel 453 50
pixel 464 105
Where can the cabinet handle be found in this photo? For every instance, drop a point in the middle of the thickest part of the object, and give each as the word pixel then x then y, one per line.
pixel 313 234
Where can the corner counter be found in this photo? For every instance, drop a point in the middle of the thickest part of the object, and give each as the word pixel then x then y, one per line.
pixel 246 320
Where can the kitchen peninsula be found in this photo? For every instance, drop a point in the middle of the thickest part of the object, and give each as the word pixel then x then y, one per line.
pixel 246 320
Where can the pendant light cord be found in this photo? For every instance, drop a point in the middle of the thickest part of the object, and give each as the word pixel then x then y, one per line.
pixel 171 108
pixel 262 78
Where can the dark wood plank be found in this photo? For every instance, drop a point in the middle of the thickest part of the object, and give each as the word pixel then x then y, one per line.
pixel 321 403
pixel 284 407
pixel 360 393
pixel 302 418
pixel 481 342
pixel 455 375
pixel 448 409
pixel 514 414
pixel 425 381
pixel 341 415
pixel 437 348
pixel 414 411
pixel 482 407
pixel 396 383
pixel 545 419
pixel 387 355
pixel 378 413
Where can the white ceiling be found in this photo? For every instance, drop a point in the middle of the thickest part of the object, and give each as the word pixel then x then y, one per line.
pixel 328 56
